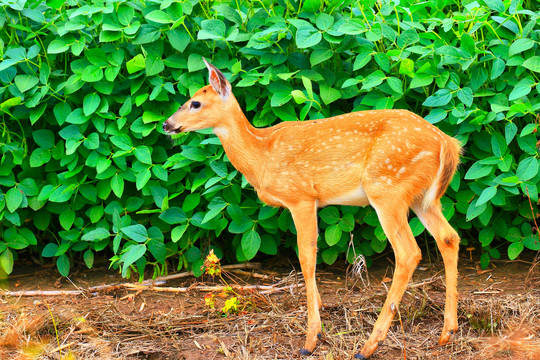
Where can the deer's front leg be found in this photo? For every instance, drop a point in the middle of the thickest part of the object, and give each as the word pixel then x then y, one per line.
pixel 305 221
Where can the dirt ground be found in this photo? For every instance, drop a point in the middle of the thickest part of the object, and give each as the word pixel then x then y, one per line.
pixel 499 314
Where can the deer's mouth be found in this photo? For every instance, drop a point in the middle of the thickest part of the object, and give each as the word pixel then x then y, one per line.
pixel 167 127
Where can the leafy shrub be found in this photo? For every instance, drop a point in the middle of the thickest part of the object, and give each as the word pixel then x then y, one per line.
pixel 85 86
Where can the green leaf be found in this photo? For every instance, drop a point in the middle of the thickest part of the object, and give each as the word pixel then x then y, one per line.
pixel 528 129
pixel 178 232
pixel 329 215
pixel 194 154
pixel 39 157
pixel 332 234
pixel 173 215
pixel 49 250
pixel 406 67
pixel 216 207
pixel 57 46
pixel 520 45
pixel 280 98
pixel 474 211
pixel 213 29
pixel 440 98
pixel 92 141
pixel 268 245
pixel 138 63
pixel 522 88
pixel 251 242
pixel 67 218
pixel 495 5
pixel 307 37
pixel 532 242
pixel 142 178
pixel 347 223
pixel 374 79
pixel 117 185
pixel 527 168
pixel 510 130
pixel 395 84
pixel 142 153
pixel 88 258
pixel 329 95
pixel 487 195
pixel 498 144
pixel 122 141
pixel 179 39
pixel 91 103
pixel 485 236
pixel 484 260
pixel 44 138
pixel 25 82
pixel 299 97
pixel 135 232
pixel 159 16
pixel 267 212
pixel 466 96
pixel 154 65
pixel 407 37
pixel 320 55
pixel 324 21
pixel 514 249
pixel 329 255
pixel 311 5
pixel 378 245
pixel 191 201
pixel 63 265
pixel 125 14
pixel 478 170
pixel 14 199
pixel 92 73
pixel 361 60
pixel 497 68
pixel 6 261
pixel 532 63
pixel 15 241
pixel 134 253
pixel 96 235
pixel 28 235
pixel 158 250
pixel 193 254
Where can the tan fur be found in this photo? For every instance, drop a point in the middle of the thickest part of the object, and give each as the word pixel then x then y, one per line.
pixel 389 159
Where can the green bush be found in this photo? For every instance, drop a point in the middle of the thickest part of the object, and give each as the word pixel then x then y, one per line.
pixel 85 87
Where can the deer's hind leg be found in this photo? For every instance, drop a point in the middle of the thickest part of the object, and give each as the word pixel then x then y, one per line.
pixel 448 243
pixel 393 218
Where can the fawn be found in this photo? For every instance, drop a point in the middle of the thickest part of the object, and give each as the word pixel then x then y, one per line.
pixel 392 160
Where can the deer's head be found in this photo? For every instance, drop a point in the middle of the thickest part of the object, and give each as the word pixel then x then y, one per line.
pixel 205 109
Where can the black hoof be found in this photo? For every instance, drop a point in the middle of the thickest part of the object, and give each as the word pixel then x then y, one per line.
pixel 305 352
pixel 319 335
pixel 359 356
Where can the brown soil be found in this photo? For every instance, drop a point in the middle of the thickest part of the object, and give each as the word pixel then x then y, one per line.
pixel 499 313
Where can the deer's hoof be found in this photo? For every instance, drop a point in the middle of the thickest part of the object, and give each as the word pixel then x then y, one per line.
pixel 305 352
pixel 319 335
pixel 359 356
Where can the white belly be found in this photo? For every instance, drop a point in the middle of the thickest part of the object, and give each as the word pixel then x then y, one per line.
pixel 357 197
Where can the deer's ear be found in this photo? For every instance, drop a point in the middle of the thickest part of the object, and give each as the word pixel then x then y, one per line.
pixel 218 81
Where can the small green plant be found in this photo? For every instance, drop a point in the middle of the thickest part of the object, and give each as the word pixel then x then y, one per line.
pixel 234 301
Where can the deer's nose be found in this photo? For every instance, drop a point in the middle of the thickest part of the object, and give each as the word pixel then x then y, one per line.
pixel 166 126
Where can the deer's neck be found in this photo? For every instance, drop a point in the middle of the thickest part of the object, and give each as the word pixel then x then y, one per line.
pixel 243 143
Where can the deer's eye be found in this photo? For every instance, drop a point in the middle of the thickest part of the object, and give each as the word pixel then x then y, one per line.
pixel 195 104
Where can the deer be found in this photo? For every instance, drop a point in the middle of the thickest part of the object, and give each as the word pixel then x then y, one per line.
pixel 392 160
